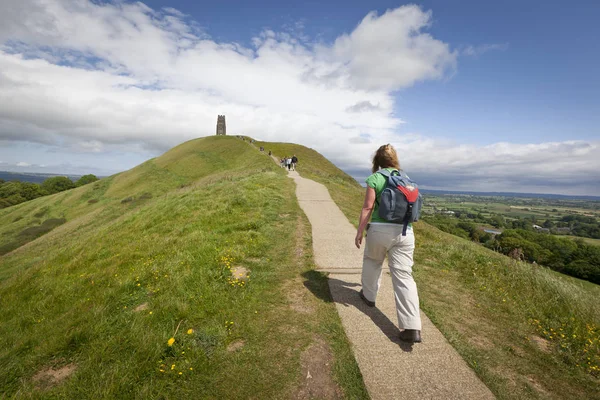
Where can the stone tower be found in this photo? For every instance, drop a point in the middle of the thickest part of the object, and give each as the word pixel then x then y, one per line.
pixel 221 130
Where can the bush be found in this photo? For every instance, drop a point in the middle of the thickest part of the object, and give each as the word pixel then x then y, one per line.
pixel 84 180
pixel 92 201
pixel 57 184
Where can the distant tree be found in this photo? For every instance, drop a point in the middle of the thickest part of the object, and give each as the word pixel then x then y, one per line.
pixel 31 190
pixel 8 189
pixel 57 184
pixel 497 221
pixel 84 180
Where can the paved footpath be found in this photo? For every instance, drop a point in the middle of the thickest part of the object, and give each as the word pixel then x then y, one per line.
pixel 391 369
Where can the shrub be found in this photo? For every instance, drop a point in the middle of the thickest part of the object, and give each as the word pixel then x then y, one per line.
pixel 57 184
pixel 92 201
pixel 84 180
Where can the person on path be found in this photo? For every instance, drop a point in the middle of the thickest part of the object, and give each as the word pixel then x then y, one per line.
pixel 294 162
pixel 385 238
pixel 288 162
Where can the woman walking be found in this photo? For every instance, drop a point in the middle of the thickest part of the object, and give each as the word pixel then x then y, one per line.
pixel 385 238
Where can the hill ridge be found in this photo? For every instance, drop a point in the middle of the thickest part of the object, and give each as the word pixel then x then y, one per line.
pixel 63 296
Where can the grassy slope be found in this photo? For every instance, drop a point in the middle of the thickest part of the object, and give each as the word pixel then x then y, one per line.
pixel 69 296
pixel 344 189
pixel 527 331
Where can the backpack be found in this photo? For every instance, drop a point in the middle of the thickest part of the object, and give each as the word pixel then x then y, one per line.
pixel 400 200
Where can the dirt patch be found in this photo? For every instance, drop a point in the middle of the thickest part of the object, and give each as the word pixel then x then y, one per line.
pixel 300 231
pixel 541 343
pixel 141 307
pixel 315 368
pixel 481 342
pixel 538 387
pixel 50 377
pixel 235 345
pixel 240 273
pixel 295 293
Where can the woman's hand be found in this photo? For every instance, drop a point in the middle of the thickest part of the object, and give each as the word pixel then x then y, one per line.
pixel 358 239
pixel 365 214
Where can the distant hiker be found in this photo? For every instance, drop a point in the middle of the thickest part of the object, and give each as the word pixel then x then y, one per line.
pixel 288 162
pixel 282 163
pixel 387 238
pixel 294 162
pixel 269 153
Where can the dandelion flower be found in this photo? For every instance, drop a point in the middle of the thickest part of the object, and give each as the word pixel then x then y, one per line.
pixel 180 373
pixel 172 367
pixel 171 341
pixel 190 331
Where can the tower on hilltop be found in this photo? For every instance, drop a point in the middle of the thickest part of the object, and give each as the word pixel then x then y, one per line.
pixel 221 130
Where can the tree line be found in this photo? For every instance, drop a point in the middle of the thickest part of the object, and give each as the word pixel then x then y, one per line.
pixel 15 192
pixel 519 240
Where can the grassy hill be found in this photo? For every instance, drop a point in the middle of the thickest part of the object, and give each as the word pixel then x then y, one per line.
pixel 527 331
pixel 129 262
pixel 176 279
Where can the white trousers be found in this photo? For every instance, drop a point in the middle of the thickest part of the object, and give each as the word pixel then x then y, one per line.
pixel 387 239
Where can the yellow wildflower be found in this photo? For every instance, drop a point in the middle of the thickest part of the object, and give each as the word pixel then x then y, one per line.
pixel 171 341
pixel 190 331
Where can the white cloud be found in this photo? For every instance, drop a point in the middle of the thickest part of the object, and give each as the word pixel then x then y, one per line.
pixel 391 51
pixel 104 78
pixel 23 164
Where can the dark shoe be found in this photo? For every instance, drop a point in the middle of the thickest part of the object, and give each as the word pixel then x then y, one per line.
pixel 367 302
pixel 411 336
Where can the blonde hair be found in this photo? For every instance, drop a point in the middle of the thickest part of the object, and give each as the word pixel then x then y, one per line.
pixel 385 157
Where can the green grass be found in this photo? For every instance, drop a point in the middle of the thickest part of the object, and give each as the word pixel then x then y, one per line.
pixel 506 319
pixel 344 189
pixel 595 242
pixel 70 296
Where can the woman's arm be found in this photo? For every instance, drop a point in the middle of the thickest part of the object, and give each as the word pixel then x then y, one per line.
pixel 365 215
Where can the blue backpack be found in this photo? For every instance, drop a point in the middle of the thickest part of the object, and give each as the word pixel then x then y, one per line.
pixel 400 201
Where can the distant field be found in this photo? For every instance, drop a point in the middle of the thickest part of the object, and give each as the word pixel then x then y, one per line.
pixel 595 242
pixel 32 177
pixel 513 208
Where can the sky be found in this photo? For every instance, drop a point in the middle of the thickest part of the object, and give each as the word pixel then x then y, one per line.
pixel 477 96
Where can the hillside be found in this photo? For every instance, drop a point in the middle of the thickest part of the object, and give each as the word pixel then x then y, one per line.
pixel 527 331
pixel 147 251
pixel 149 255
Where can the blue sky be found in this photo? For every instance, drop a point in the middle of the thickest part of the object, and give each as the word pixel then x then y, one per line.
pixel 542 86
pixel 474 91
